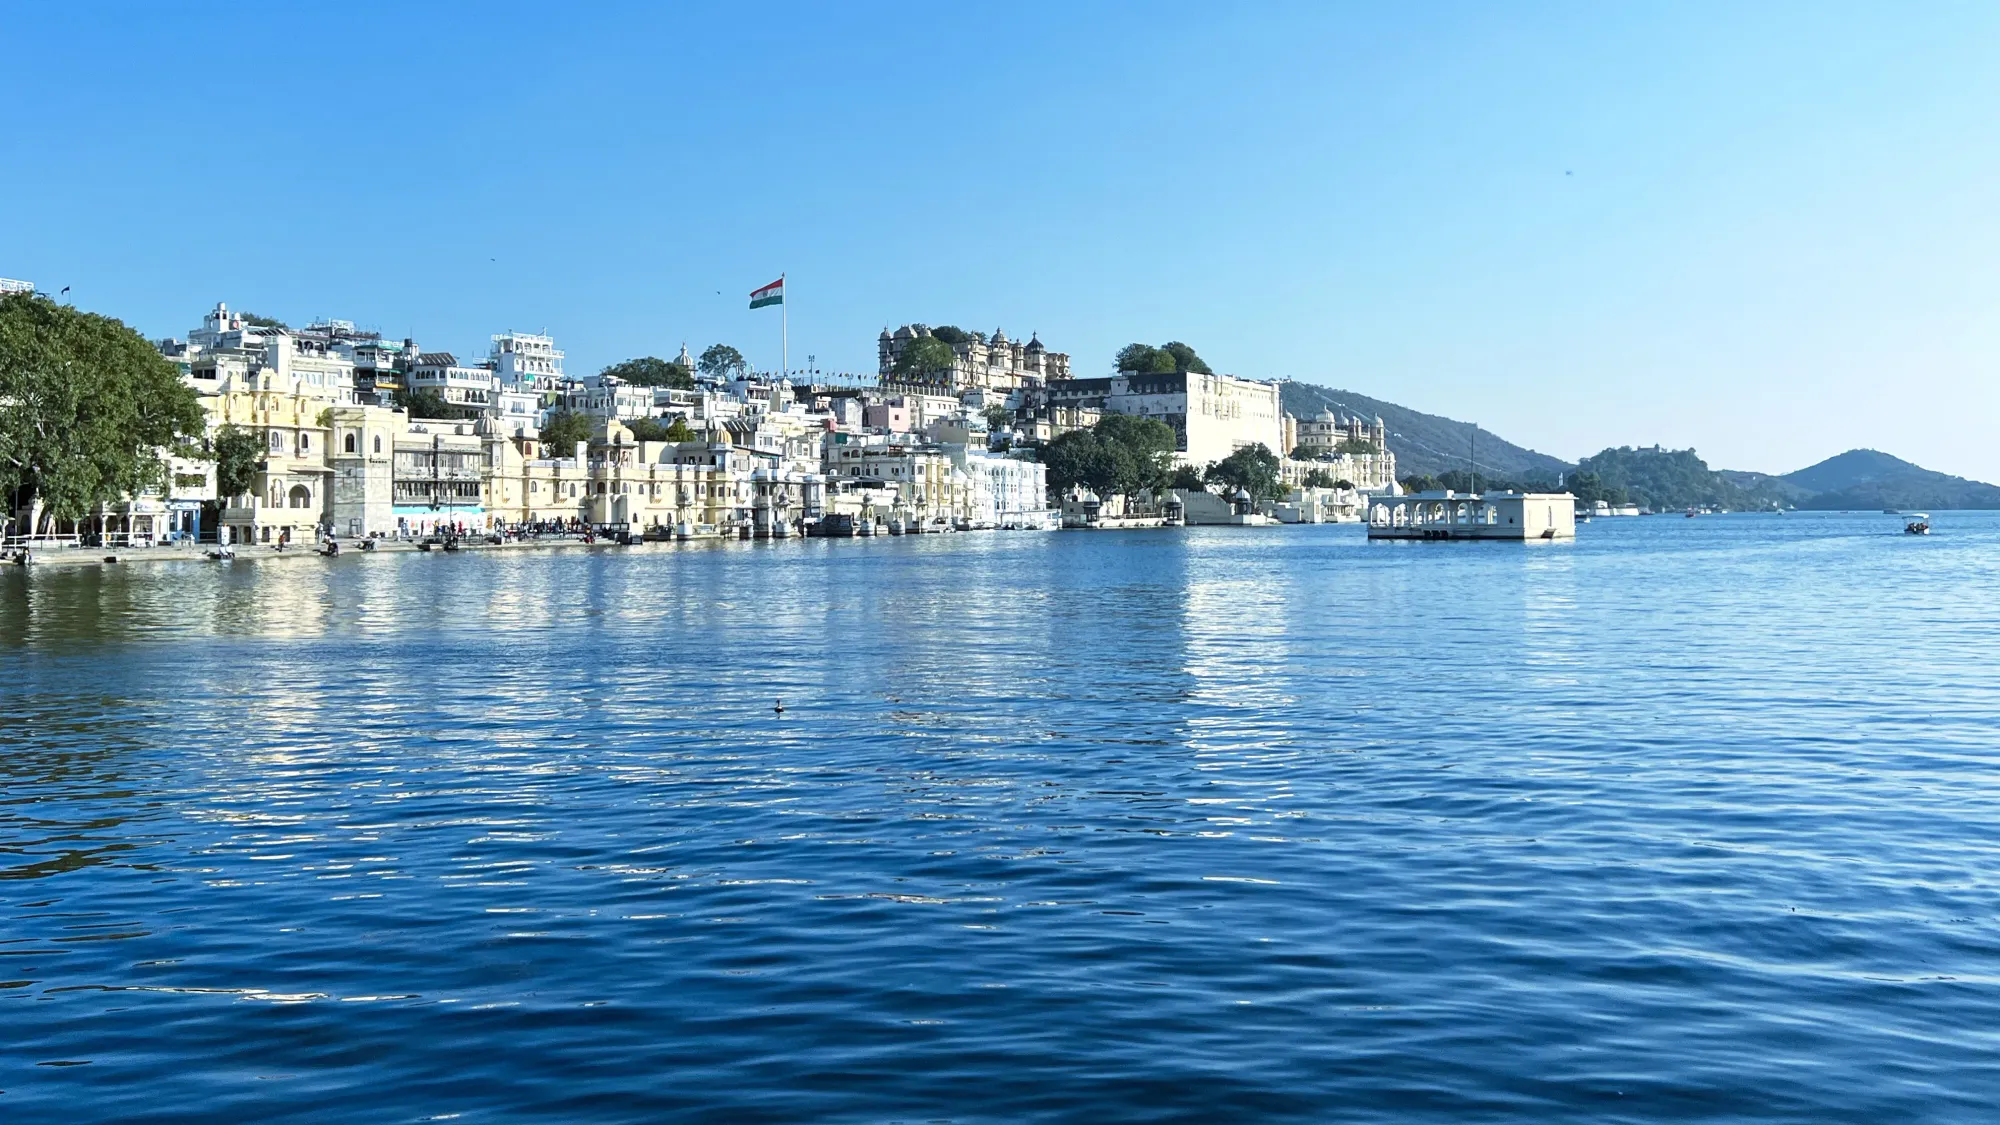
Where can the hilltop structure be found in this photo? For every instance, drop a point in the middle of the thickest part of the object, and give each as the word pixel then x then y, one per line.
pixel 983 363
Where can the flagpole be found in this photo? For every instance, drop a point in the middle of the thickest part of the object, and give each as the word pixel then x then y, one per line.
pixel 784 328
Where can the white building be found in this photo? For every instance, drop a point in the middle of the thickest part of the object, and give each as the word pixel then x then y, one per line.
pixel 524 361
pixel 1003 491
pixel 608 397
pixel 1212 415
pixel 441 374
pixel 1525 516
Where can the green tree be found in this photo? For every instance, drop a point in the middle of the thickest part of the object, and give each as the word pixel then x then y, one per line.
pixel 1253 468
pixel 88 409
pixel 562 431
pixel 237 454
pixel 1187 477
pixel 720 361
pixel 652 371
pixel 1318 478
pixel 1071 459
pixel 998 417
pixel 647 429
pixel 1184 358
pixel 1421 483
pixel 951 334
pixel 428 404
pixel 1169 358
pixel 1351 445
pixel 1080 458
pixel 925 357
pixel 255 321
pixel 660 429
pixel 1145 360
pixel 1149 443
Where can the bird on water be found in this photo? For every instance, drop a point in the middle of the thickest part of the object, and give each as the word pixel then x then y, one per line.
pixel 779 707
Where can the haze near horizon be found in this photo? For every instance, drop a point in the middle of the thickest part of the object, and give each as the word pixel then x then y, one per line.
pixel 1761 233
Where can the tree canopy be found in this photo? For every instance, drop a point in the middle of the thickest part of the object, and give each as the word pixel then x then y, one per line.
pixel 652 371
pixel 925 357
pixel 720 361
pixel 255 321
pixel 1253 468
pixel 660 429
pixel 237 452
pixel 428 404
pixel 1121 454
pixel 1172 357
pixel 647 429
pixel 951 334
pixel 1080 457
pixel 563 430
pixel 88 409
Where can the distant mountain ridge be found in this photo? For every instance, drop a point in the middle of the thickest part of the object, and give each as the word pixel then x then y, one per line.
pixel 1439 449
pixel 1868 479
pixel 1424 444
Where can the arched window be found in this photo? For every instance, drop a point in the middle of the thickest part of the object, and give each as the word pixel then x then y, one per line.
pixel 378 443
pixel 301 496
pixel 353 446
pixel 304 443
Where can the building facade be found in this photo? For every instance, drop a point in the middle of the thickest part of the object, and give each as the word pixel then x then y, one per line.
pixel 1212 416
pixel 989 363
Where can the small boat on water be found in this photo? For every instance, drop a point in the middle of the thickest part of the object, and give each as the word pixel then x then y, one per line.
pixel 1921 525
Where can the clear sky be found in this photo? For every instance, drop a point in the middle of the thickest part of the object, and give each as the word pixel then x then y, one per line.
pixel 1770 231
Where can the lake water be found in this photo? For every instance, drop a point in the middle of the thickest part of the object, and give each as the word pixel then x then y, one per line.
pixel 1691 820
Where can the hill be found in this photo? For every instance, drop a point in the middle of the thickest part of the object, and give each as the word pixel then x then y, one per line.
pixel 1868 480
pixel 1664 479
pixel 1425 444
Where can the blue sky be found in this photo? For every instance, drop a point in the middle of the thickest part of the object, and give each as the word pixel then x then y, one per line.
pixel 1767 231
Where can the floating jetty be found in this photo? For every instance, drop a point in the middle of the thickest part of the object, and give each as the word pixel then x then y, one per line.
pixel 1516 516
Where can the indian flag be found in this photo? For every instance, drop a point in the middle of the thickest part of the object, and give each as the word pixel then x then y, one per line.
pixel 772 294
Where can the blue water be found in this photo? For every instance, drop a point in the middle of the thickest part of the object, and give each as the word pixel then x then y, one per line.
pixel 1691 820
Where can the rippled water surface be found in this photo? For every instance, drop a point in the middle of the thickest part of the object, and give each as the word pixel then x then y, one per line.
pixel 1690 820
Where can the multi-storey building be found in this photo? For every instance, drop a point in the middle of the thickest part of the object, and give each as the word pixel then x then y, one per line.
pixel 1002 491
pixel 608 396
pixel 362 454
pixel 992 363
pixel 1326 432
pixel 438 479
pixel 524 361
pixel 441 374
pixel 1348 449
pixel 1212 415
pixel 928 485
